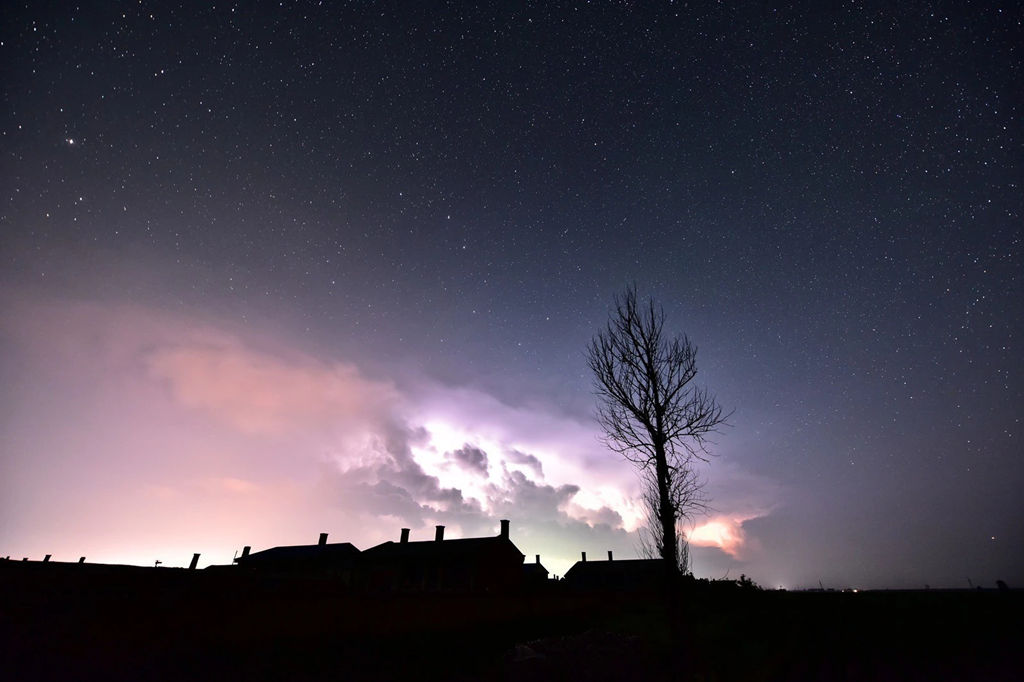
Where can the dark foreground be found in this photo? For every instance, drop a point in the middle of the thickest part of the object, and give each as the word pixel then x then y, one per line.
pixel 63 622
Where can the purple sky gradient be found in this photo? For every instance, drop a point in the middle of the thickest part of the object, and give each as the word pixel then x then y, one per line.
pixel 274 271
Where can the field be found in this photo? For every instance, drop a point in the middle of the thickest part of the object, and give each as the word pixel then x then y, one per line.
pixel 67 621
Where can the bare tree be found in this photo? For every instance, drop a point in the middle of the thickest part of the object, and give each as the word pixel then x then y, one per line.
pixel 688 498
pixel 654 415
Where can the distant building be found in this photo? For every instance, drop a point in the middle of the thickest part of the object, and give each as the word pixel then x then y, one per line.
pixel 469 564
pixel 337 559
pixel 629 574
pixel 534 573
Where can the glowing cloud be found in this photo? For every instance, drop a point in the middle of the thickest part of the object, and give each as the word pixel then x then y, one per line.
pixel 724 532
pixel 261 394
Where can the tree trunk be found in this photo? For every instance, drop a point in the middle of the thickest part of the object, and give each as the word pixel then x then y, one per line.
pixel 666 513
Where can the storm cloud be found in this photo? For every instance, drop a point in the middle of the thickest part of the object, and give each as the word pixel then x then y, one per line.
pixel 281 443
pixel 471 458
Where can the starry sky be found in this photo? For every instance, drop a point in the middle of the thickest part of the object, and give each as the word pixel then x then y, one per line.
pixel 275 269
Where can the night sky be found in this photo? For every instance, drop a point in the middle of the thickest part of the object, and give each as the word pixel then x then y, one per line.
pixel 278 269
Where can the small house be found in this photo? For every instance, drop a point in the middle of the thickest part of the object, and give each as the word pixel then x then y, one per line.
pixel 337 559
pixel 629 574
pixel 535 573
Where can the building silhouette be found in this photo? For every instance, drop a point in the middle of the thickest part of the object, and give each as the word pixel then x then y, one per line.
pixel 629 574
pixel 337 559
pixel 466 564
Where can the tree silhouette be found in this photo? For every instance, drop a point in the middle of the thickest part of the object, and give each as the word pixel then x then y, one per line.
pixel 687 494
pixel 654 415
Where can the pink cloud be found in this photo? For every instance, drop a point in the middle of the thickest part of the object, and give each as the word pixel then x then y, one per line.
pixel 261 394
pixel 232 485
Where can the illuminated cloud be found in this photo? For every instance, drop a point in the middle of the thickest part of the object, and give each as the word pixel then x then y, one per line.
pixel 724 532
pixel 471 458
pixel 525 459
pixel 737 497
pixel 596 517
pixel 261 394
pixel 214 436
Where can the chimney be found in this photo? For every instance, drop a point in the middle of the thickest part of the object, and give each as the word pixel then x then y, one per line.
pixel 584 557
pixel 538 559
pixel 46 558
pixel 323 539
pixel 439 534
pixel 195 560
pixel 504 528
pixel 245 551
pixel 81 560
pixel 405 535
pixel 609 555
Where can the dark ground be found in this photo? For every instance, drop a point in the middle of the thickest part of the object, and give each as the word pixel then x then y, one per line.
pixel 65 621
